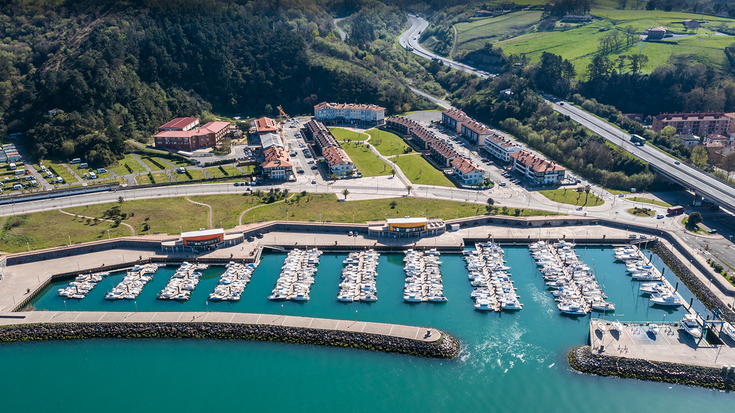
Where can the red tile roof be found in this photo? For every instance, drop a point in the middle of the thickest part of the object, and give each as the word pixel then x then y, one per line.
pixel 336 155
pixel 476 126
pixel 465 165
pixel 265 125
pixel 211 127
pixel 534 162
pixel 456 114
pixel 274 157
pixel 355 106
pixel 179 123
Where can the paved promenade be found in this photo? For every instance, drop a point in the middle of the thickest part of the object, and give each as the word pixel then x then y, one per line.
pixel 389 330
pixel 670 344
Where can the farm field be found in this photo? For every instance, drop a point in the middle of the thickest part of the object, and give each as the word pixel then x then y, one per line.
pixel 473 35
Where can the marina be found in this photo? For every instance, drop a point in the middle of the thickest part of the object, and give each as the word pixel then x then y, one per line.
pixel 358 277
pixel 653 284
pixel 488 274
pixel 423 277
pixel 82 285
pixel 297 275
pixel 133 283
pixel 232 282
pixel 182 282
pixel 571 282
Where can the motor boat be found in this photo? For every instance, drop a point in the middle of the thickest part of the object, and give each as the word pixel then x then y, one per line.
pixel 690 325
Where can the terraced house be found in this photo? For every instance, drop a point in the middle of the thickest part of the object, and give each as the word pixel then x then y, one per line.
pixel 475 132
pixel 339 162
pixel 349 113
pixel 500 148
pixel 537 170
pixel 468 172
pixel 402 126
pixel 453 118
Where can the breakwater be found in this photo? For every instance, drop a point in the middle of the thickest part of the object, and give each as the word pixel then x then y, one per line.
pixel 445 347
pixel 584 360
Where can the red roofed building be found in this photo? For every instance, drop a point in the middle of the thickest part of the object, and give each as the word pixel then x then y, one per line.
pixel 475 131
pixel 339 162
pixel 352 113
pixel 454 118
pixel 443 154
pixel 276 164
pixel 265 125
pixel 469 172
pixel 699 124
pixel 500 147
pixel 537 170
pixel 183 134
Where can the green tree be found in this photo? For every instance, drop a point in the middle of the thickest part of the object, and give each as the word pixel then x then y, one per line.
pixel 699 157
pixel 695 218
pixel 587 190
pixel 345 192
pixel 409 188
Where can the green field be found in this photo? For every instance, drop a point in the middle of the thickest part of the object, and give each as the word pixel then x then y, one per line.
pixel 164 215
pixel 366 161
pixel 572 197
pixel 232 171
pixel 226 209
pixel 215 172
pixel 52 229
pixel 147 160
pixel 60 171
pixel 580 44
pixel 388 143
pixel 419 171
pixel 342 135
pixel 158 177
pixel 473 35
pixel 119 167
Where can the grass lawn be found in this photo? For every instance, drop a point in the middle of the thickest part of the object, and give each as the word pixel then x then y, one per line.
pixel 227 208
pixel 232 171
pixel 388 143
pixel 696 230
pixel 52 229
pixel 248 169
pixel 59 170
pixel 215 172
pixel 158 178
pixel 120 168
pixel 342 135
pixel 308 209
pixel 419 171
pixel 642 212
pixel 147 160
pixel 571 197
pixel 366 161
pixel 649 201
pixel 164 215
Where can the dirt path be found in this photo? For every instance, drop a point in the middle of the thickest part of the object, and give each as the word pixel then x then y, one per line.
pixel 211 212
pixel 132 230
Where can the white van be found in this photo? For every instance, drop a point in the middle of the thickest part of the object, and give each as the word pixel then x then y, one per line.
pixel 92 175
pixel 59 179
pixel 20 171
pixel 43 168
pixel 83 166
pixel 76 160
pixel 17 186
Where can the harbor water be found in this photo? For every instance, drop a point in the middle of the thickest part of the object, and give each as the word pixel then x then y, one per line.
pixel 508 362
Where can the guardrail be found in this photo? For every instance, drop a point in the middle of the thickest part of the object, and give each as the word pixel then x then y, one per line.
pixel 57 193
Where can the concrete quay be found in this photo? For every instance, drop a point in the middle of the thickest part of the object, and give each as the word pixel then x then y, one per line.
pixel 422 334
pixel 670 344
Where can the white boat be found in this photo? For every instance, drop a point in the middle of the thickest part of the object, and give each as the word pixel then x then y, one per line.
pixel 571 308
pixel 729 330
pixel 602 306
pixel 690 325
pixel 601 326
pixel 617 326
pixel 666 300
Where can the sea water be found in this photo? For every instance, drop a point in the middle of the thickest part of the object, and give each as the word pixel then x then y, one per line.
pixel 508 361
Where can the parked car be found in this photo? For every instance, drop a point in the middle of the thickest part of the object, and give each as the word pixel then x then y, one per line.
pixel 660 216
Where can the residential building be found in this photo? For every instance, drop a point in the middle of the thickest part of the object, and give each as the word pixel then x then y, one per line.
pixel 537 170
pixel 276 164
pixel 402 126
pixel 270 139
pixel 453 118
pixel 184 134
pixel 423 139
pixel 656 33
pixel 352 113
pixel 468 172
pixel 506 94
pixel 500 147
pixel 715 138
pixel 690 140
pixel 700 124
pixel 265 125
pixel 692 24
pixel 443 154
pixel 731 126
pixel 339 162
pixel 475 132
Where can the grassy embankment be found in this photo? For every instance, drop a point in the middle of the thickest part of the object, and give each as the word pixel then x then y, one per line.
pixel 388 143
pixel 419 171
pixel 571 197
pixel 344 135
pixel 649 201
pixel 366 161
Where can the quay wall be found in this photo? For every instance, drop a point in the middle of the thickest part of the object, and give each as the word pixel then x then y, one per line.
pixel 446 347
pixel 584 360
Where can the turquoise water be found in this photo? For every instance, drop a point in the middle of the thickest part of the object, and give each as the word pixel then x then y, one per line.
pixel 509 361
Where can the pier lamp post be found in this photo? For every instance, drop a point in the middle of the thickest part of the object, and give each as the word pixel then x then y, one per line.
pixel 281 309
pixel 355 315
pixel 64 304
pixel 207 303
pixel 136 306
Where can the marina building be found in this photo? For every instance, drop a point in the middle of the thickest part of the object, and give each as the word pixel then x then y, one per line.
pixel 443 154
pixel 468 172
pixel 276 164
pixel 350 113
pixel 453 118
pixel 699 124
pixel 265 125
pixel 206 239
pixel 537 170
pixel 406 227
pixel 500 147
pixel 475 132
pixel 185 134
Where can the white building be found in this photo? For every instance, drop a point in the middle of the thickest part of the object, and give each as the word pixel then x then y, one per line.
pixel 500 148
pixel 537 170
pixel 270 139
pixel 352 113
pixel 339 162
pixel 469 172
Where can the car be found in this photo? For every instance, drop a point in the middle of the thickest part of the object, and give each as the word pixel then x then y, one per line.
pixel 259 235
pixel 660 216
pixel 561 103
pixel 311 162
pixel 101 170
pixel 677 163
pixel 632 236
pixel 237 183
pixel 644 237
pixel 307 155
pixel 503 184
pixel 579 181
pixel 313 167
pixel 313 181
pixel 251 238
pixel 243 184
pixel 350 233
pixel 712 231
pixel 579 208
pixel 621 195
pixel 28 172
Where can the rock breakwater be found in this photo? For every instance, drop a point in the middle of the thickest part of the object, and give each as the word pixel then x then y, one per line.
pixel 584 360
pixel 446 347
